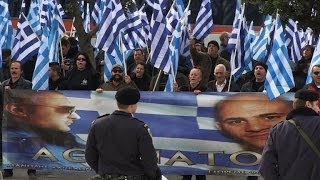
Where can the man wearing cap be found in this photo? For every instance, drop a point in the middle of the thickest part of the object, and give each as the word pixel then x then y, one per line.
pixel 257 84
pixel 119 146
pixel 213 51
pixel 287 154
pixel 117 81
pixel 207 61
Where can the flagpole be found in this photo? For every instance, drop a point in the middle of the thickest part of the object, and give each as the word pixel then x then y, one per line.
pixel 157 80
pixel 71 30
pixel 233 55
pixel 123 55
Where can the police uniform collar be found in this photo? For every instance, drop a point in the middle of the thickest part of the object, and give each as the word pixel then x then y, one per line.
pixel 117 112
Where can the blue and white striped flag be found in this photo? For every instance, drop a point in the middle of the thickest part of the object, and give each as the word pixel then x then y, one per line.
pixel 159 54
pixel 279 78
pixel 293 40
pixel 174 56
pixel 261 43
pixel 45 15
pixel 34 17
pixel 133 35
pixel 6 30
pixel 111 59
pixel 172 18
pixel 40 78
pixel 236 45
pixel 237 12
pixel 146 25
pixel 248 49
pixel 26 43
pixel 98 10
pixel 84 8
pixel 314 61
pixel 113 21
pixel 204 21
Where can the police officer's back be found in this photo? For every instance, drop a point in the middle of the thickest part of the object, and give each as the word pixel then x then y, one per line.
pixel 120 145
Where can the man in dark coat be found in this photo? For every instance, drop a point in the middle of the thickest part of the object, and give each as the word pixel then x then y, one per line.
pixel 119 146
pixel 287 155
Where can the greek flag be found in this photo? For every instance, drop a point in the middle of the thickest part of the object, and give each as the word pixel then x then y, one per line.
pixel 113 21
pixel 236 45
pixel 97 11
pixel 293 40
pixel 146 25
pixel 174 56
pixel 133 35
pixel 34 17
pixel 279 78
pixel 6 30
pixel 172 18
pixel 111 59
pixel 262 42
pixel 160 52
pixel 26 43
pixel 247 63
pixel 45 17
pixel 314 61
pixel 85 14
pixel 40 78
pixel 204 21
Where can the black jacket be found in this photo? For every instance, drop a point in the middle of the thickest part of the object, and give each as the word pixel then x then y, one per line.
pixel 121 144
pixel 286 155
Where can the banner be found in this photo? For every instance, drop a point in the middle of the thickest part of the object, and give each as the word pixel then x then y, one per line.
pixel 210 133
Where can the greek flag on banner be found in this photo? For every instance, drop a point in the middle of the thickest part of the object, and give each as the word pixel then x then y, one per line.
pixel 204 21
pixel 159 54
pixel 279 79
pixel 315 61
pixel 26 43
pixel 40 78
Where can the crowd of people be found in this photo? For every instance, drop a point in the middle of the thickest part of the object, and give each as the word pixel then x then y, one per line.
pixel 210 73
pixel 75 70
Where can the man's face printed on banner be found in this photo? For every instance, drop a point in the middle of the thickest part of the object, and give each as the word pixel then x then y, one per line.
pixel 249 118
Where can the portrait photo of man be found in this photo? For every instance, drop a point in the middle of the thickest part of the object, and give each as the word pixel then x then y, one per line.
pixel 248 118
pixel 35 120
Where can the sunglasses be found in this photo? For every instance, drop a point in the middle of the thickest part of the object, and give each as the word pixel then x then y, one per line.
pixel 81 59
pixel 60 109
pixel 316 73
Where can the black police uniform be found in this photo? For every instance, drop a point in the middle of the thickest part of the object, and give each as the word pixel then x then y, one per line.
pixel 119 145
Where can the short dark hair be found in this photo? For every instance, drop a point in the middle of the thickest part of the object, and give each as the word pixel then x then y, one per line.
pixel 18 62
pixel 55 66
pixel 138 49
pixel 65 42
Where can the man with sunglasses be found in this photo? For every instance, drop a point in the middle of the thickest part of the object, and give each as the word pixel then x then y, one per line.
pixel 117 81
pixel 315 84
pixel 37 120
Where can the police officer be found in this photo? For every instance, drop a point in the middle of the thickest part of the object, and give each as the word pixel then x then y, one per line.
pixel 119 146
